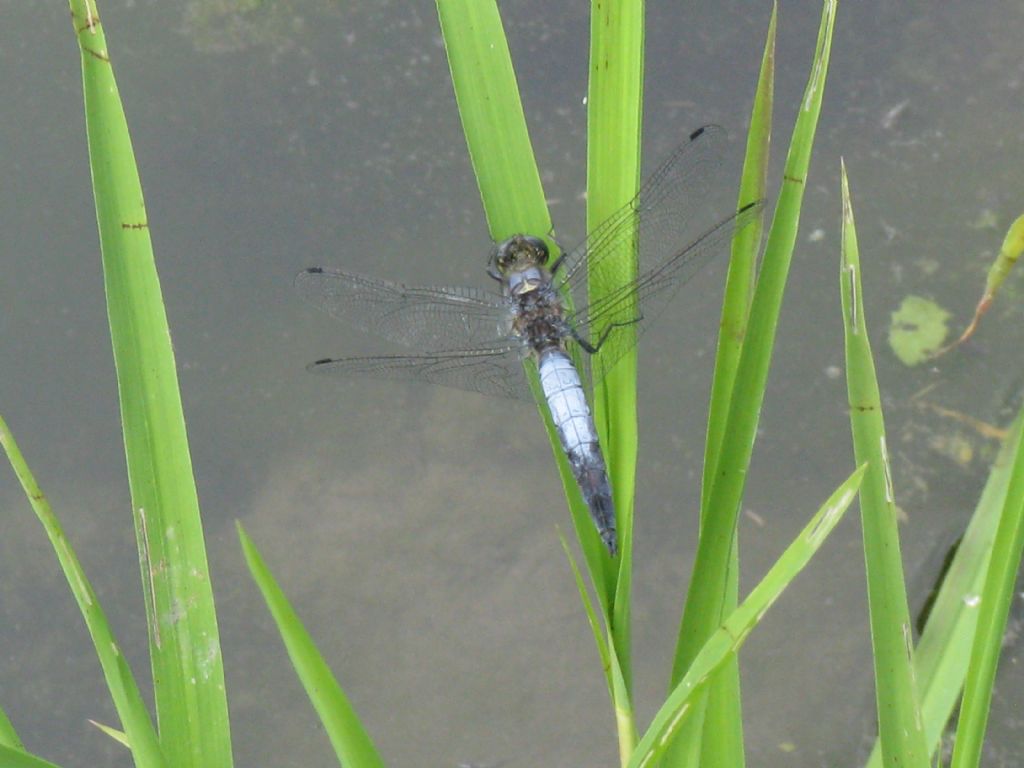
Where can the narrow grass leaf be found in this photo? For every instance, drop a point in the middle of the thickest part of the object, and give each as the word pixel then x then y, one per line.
pixel 996 597
pixel 123 690
pixel 11 757
pixel 351 743
pixel 592 619
pixel 944 650
pixel 492 118
pixel 185 652
pixel 117 735
pixel 8 736
pixel 739 282
pixel 625 718
pixel 614 115
pixel 510 188
pixel 723 721
pixel 681 704
pixel 899 717
pixel 708 587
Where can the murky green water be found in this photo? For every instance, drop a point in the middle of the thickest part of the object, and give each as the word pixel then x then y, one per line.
pixel 283 135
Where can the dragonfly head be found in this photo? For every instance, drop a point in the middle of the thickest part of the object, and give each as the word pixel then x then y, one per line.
pixel 518 262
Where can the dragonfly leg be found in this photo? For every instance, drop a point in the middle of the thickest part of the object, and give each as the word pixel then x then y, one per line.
pixel 592 349
pixel 562 254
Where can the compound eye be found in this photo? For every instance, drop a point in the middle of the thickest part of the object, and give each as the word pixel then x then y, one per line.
pixel 501 256
pixel 540 249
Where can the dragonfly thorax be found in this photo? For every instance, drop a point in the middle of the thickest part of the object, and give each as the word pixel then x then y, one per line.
pixel 523 281
pixel 538 317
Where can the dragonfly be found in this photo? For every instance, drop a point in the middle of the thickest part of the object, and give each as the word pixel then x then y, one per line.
pixel 478 340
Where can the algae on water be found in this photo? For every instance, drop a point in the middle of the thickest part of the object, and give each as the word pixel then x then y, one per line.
pixel 918 329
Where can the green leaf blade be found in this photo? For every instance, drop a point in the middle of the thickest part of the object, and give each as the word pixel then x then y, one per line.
pixel 12 757
pixel 351 743
pixel 722 739
pixel 944 650
pixel 510 188
pixel 708 586
pixel 996 597
pixel 739 283
pixel 184 646
pixel 682 703
pixel 124 691
pixel 493 119
pixel 899 716
pixel 614 120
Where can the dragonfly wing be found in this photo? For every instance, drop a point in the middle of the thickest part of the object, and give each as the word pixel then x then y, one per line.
pixel 614 322
pixel 655 224
pixel 430 318
pixel 496 371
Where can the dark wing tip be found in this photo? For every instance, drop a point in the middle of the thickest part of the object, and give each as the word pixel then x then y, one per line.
pixel 709 128
pixel 755 205
pixel 316 364
pixel 297 282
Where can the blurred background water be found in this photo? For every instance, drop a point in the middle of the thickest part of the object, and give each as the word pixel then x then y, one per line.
pixel 415 528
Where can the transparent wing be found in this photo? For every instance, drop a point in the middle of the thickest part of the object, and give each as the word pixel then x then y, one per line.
pixel 427 318
pixel 655 224
pixel 615 322
pixel 496 371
